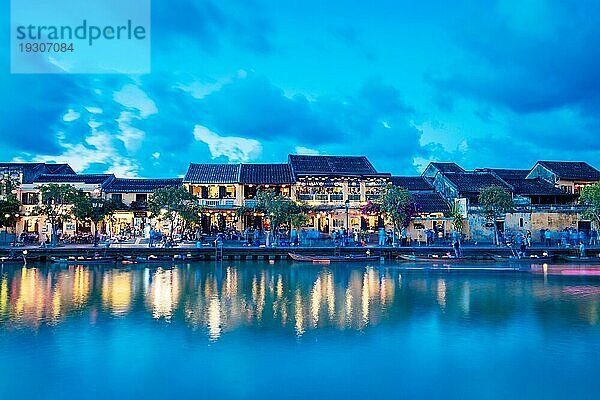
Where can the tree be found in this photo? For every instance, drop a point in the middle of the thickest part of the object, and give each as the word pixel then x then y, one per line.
pixel 56 204
pixel 590 197
pixel 279 210
pixel 9 203
pixel 170 203
pixel 191 215
pixel 94 210
pixel 457 218
pixel 398 206
pixel 495 201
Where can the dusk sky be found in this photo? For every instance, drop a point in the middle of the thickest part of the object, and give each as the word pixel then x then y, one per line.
pixel 498 84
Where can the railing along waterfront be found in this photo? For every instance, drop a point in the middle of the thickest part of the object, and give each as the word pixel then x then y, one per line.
pixel 539 208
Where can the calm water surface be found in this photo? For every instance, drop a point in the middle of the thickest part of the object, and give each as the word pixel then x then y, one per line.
pixel 254 330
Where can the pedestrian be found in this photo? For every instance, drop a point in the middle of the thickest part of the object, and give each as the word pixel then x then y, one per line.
pixel 581 249
pixel 528 237
pixel 456 246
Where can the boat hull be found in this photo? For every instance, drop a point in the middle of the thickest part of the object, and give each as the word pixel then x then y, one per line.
pixel 524 260
pixel 83 261
pixel 580 260
pixel 411 258
pixel 331 259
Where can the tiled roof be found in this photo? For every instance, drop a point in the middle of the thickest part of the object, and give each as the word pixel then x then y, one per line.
pixel 331 165
pixel 431 202
pixel 212 173
pixel 473 182
pixel 32 171
pixel 267 174
pixel 570 170
pixel 507 173
pixel 121 185
pixel 64 169
pixel 411 183
pixel 447 167
pixel 534 187
pixel 88 179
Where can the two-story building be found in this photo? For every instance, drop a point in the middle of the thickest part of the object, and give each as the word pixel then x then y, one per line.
pixel 337 187
pixel 568 176
pixel 433 207
pixel 132 217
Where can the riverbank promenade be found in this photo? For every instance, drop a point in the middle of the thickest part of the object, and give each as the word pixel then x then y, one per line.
pixel 233 251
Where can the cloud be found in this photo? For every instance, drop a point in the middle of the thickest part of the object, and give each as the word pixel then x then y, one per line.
pixel 98 148
pixel 235 149
pixel 306 151
pixel 133 97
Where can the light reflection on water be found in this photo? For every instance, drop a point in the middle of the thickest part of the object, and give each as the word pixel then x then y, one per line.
pixel 249 330
pixel 221 299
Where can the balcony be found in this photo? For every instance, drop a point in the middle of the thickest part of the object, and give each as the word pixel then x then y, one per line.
pixel 250 203
pixel 223 203
pixel 335 198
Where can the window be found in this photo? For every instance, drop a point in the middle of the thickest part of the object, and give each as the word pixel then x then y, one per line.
pixel 521 222
pixel 117 197
pixel 29 199
pixel 141 197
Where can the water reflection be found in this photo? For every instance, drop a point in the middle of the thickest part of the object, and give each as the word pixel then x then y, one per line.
pixel 220 299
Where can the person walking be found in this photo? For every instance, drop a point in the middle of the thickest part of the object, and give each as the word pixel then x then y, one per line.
pixel 456 247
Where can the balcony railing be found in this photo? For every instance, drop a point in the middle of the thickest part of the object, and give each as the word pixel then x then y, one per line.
pixel 539 208
pixel 335 198
pixel 250 203
pixel 217 202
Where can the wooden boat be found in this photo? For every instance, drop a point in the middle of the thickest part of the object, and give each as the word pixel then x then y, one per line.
pixel 330 259
pixel 18 259
pixel 177 259
pixel 580 260
pixel 523 260
pixel 441 259
pixel 567 270
pixel 462 269
pixel 82 260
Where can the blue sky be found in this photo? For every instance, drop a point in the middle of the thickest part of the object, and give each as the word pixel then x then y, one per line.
pixel 498 83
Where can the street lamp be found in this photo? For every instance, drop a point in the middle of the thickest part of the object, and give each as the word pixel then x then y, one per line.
pixel 7 216
pixel 347 204
pixel 97 206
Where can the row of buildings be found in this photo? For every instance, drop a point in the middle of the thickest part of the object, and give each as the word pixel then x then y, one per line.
pixel 337 187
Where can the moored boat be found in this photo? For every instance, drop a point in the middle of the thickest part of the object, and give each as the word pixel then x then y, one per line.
pixel 330 259
pixel 82 260
pixel 444 259
pixel 580 260
pixel 153 259
pixel 18 259
pixel 524 260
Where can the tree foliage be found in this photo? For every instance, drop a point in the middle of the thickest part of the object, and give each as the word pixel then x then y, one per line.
pixel 590 197
pixel 88 209
pixel 9 203
pixel 457 217
pixel 170 203
pixel 56 204
pixel 398 206
pixel 279 210
pixel 495 201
